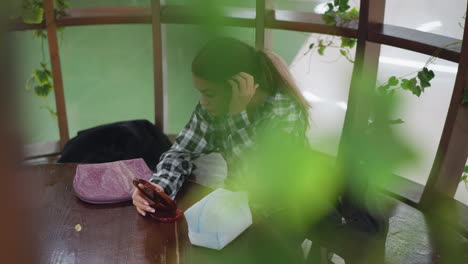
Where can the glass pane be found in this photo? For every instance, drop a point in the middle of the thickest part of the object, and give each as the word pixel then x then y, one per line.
pixel 435 16
pixel 81 3
pixel 40 125
pixel 315 75
pixel 462 191
pixel 228 3
pixel 182 42
pixel 314 6
pixel 108 74
pixel 423 116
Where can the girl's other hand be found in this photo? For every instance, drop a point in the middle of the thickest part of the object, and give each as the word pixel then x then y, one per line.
pixel 243 89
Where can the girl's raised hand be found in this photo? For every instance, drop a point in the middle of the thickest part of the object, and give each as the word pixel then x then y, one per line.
pixel 243 89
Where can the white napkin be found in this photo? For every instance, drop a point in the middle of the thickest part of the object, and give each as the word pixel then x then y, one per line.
pixel 218 218
pixel 211 170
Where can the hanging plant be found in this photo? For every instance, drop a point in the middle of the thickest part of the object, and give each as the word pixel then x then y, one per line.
pixel 464 177
pixel 338 13
pixel 465 96
pixel 41 82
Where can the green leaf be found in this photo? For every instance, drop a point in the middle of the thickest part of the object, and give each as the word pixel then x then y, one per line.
pixel 464 177
pixel 336 2
pixel 30 82
pixel 321 50
pixel 40 34
pixel 429 73
pixel 43 90
pixel 32 13
pixel 61 4
pixel 322 47
pixel 329 18
pixel 347 42
pixel 466 169
pixel 396 121
pixel 42 77
pixel 353 13
pixel 382 89
pixel 411 85
pixel 393 81
pixel 425 76
pixel 465 98
pixel 311 46
pixel 408 84
pixel 343 52
pixel 343 7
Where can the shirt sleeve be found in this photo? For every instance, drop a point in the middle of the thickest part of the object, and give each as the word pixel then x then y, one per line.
pixel 177 162
pixel 241 130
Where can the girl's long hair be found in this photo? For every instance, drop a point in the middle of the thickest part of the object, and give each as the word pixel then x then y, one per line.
pixel 222 58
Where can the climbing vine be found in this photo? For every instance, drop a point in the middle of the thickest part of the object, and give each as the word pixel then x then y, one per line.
pixel 41 82
pixel 464 177
pixel 340 13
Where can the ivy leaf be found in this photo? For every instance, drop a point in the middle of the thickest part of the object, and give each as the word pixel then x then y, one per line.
pixel 466 169
pixel 411 85
pixel 382 89
pixel 347 42
pixel 429 73
pixel 425 76
pixel 311 46
pixel 32 13
pixel 344 6
pixel 40 34
pixel 465 100
pixel 343 52
pixel 329 17
pixel 393 81
pixel 397 121
pixel 464 178
pixel 30 82
pixel 336 2
pixel 353 13
pixel 42 77
pixel 43 90
pixel 61 4
pixel 321 50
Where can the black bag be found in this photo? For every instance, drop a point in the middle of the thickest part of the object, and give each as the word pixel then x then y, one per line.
pixel 117 141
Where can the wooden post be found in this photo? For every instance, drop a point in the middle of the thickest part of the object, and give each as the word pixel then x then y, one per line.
pixel 158 64
pixel 51 27
pixel 364 71
pixel 453 147
pixel 260 24
pixel 268 37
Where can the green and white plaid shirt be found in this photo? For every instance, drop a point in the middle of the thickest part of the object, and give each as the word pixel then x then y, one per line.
pixel 231 135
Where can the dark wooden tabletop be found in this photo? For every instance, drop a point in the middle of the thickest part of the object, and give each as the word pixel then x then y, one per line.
pixel 113 233
pixel 109 233
pixel 118 234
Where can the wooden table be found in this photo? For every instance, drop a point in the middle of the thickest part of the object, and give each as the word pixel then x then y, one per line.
pixel 118 234
pixel 114 233
pixel 110 233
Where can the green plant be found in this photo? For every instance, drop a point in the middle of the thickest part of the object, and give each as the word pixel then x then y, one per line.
pixel 339 13
pixel 41 82
pixel 464 177
pixel 465 96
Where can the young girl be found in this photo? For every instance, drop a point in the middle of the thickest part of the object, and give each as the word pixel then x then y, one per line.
pixel 241 89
